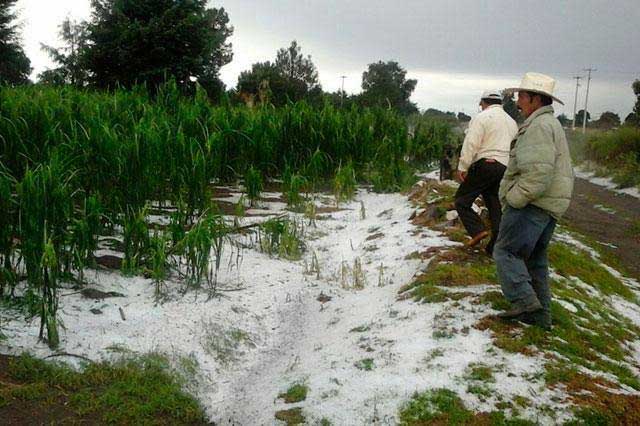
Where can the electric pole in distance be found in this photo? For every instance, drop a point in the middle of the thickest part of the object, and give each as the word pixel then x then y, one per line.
pixel 575 102
pixel 586 101
pixel 343 77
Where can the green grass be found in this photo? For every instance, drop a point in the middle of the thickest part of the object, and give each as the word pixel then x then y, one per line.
pixel 572 262
pixel 619 152
pixel 440 406
pixel 366 364
pixel 291 417
pixel 133 391
pixel 480 372
pixel 295 393
pixel 444 407
pixel 430 287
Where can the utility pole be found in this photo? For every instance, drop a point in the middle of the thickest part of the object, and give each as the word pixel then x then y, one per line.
pixel 586 101
pixel 575 102
pixel 343 77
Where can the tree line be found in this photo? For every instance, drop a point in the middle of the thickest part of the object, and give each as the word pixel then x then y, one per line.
pixel 147 42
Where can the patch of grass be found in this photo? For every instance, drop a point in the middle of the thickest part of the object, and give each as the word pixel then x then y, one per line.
pixel 444 407
pixel 439 406
pixel 442 334
pixel 495 299
pixel 433 354
pixel 606 254
pixel 569 261
pixel 428 286
pixel 365 364
pixel 295 393
pixel 480 376
pixel 456 234
pixel 292 416
pixel 481 390
pixel 360 329
pixel 225 344
pixel 480 372
pixel 132 391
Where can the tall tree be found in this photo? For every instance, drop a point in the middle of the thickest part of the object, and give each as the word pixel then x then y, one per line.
pixel 264 82
pixel 292 77
pixel 580 117
pixel 71 68
pixel 15 66
pixel 385 84
pixel 150 41
pixel 295 66
pixel 633 119
pixel 607 120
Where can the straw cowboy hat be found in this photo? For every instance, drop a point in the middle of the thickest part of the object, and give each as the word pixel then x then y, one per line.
pixel 537 83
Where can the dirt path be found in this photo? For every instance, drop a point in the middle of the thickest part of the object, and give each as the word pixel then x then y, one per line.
pixel 609 218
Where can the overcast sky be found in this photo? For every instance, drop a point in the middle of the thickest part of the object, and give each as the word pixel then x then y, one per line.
pixel 455 49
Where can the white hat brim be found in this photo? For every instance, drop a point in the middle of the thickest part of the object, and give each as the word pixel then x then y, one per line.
pixel 512 90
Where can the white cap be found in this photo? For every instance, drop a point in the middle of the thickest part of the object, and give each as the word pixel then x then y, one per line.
pixel 491 94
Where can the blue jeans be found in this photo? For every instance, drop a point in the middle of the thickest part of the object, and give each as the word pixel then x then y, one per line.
pixel 521 255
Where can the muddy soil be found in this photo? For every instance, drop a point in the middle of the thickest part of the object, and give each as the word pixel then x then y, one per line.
pixel 611 219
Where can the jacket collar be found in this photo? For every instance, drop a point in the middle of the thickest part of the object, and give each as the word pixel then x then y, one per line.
pixel 548 109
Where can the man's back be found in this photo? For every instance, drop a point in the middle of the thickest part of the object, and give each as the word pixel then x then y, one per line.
pixel 489 136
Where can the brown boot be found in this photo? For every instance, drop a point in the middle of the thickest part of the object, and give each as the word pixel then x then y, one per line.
pixel 475 240
pixel 521 308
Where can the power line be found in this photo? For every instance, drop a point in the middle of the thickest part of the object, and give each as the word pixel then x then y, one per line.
pixel 575 102
pixel 586 100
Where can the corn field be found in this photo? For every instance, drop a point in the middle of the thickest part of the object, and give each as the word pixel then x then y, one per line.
pixel 75 163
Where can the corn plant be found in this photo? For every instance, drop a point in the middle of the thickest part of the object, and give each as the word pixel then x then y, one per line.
pixel 253 185
pixel 84 233
pixel 159 261
pixel 344 183
pixel 317 168
pixel 218 231
pixel 178 223
pixel 195 248
pixel 135 239
pixel 49 297
pixel 294 192
pixel 282 237
pixel 8 223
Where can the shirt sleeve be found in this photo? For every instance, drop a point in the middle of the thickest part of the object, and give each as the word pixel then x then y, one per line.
pixel 472 143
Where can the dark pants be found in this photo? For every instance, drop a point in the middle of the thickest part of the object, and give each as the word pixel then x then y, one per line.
pixel 521 256
pixel 483 178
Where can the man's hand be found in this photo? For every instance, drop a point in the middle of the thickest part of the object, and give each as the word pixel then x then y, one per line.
pixel 461 176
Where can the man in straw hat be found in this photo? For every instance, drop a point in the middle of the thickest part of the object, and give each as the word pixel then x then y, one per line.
pixel 535 193
pixel 483 160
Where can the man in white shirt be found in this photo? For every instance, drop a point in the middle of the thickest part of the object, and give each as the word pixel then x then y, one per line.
pixel 483 161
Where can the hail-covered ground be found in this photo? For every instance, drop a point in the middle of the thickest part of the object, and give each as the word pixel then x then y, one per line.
pixel 330 320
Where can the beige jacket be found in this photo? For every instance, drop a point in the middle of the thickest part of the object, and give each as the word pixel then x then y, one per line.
pixel 489 136
pixel 539 170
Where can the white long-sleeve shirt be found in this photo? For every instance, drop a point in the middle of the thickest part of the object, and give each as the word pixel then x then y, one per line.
pixel 489 136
